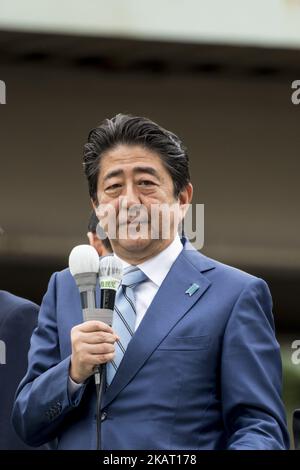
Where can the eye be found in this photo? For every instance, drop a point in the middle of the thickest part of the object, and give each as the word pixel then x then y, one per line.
pixel 146 183
pixel 113 187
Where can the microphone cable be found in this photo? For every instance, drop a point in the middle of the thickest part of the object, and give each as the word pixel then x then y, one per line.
pixel 99 382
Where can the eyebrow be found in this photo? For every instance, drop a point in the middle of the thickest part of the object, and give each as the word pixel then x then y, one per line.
pixel 113 173
pixel 137 169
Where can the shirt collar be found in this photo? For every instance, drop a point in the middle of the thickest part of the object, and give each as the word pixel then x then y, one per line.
pixel 157 268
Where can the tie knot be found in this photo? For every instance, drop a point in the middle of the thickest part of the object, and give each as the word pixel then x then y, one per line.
pixel 133 276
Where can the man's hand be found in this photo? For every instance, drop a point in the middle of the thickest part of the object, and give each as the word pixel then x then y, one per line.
pixel 92 345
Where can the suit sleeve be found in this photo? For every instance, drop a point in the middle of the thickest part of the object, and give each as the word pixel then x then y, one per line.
pixel 42 400
pixel 16 330
pixel 251 374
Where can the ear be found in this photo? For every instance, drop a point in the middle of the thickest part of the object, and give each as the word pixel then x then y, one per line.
pixel 185 198
pixel 94 205
pixel 186 194
pixel 96 243
pixel 91 238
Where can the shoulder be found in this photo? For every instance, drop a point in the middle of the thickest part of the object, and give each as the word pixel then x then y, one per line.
pixel 12 306
pixel 220 273
pixel 232 287
pixel 63 278
pixel 60 278
pixel 61 285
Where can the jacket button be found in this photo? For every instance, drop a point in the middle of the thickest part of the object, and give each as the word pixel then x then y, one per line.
pixel 103 416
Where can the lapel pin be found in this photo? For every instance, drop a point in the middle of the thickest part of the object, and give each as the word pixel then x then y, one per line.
pixel 192 289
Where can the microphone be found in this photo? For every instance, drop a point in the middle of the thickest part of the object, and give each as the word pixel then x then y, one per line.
pixel 84 267
pixel 110 276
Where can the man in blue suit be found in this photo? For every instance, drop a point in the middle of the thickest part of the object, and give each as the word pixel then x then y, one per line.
pixel 192 359
pixel 18 318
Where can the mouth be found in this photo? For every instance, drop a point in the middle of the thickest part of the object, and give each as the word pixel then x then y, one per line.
pixel 134 221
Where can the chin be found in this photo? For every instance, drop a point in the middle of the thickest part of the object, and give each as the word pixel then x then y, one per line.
pixel 135 245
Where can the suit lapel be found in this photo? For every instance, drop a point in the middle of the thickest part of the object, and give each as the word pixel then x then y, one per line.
pixel 169 305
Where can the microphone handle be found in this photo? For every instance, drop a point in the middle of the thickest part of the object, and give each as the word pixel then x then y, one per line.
pixel 88 299
pixel 100 314
pixel 108 297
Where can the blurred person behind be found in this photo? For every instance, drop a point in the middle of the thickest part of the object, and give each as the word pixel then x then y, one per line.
pixel 18 318
pixel 102 245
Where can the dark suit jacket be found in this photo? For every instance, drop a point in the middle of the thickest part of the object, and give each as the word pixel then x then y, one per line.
pixel 202 371
pixel 18 318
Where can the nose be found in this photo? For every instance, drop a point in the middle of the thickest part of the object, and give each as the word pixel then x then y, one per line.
pixel 131 195
pixel 128 200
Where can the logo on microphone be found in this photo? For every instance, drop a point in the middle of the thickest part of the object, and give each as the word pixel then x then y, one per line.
pixel 2 92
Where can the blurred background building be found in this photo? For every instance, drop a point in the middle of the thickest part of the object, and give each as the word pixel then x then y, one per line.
pixel 217 73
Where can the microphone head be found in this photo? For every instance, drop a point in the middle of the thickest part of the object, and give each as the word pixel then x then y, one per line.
pixel 83 259
pixel 110 272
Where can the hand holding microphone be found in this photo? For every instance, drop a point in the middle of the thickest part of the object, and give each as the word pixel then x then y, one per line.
pixel 92 345
pixel 93 340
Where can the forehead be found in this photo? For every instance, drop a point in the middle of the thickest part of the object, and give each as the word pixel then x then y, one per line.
pixel 126 157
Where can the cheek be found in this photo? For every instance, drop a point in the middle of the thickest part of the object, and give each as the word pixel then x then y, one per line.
pixel 166 193
pixel 107 210
pixel 103 198
pixel 161 195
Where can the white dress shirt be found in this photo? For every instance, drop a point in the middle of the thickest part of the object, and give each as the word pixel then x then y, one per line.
pixel 156 269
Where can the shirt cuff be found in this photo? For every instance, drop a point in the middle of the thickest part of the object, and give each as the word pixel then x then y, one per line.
pixel 73 387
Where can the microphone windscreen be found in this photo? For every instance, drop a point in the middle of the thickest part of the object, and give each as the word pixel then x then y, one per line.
pixel 110 267
pixel 83 259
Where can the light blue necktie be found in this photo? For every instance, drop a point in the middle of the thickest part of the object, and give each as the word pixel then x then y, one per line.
pixel 124 316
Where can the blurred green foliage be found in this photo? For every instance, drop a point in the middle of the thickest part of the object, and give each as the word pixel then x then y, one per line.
pixel 291 382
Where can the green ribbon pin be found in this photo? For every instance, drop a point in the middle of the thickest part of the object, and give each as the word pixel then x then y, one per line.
pixel 192 289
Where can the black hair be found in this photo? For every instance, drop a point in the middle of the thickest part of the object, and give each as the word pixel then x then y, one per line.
pixel 134 130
